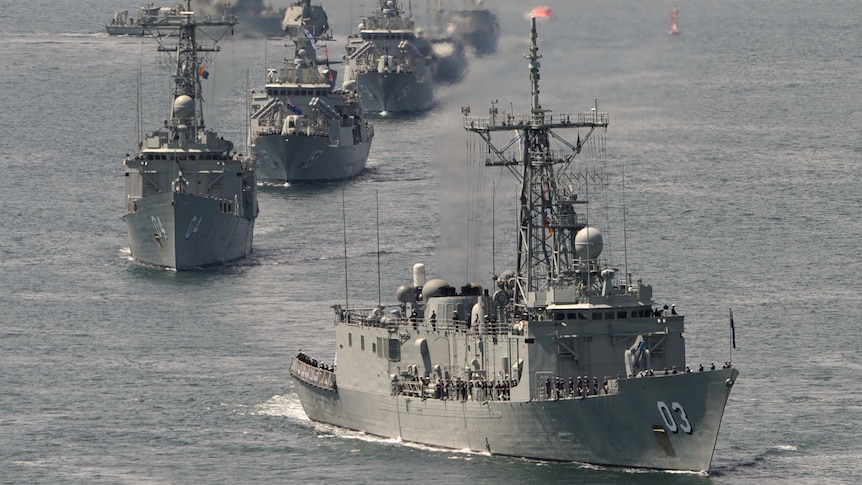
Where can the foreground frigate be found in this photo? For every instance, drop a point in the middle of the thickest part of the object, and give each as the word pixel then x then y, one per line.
pixel 388 65
pixel 302 129
pixel 191 200
pixel 561 360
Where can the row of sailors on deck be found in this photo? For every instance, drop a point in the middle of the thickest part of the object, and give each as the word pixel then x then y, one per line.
pixel 461 325
pixel 313 362
pixel 674 370
pixel 557 389
pixel 458 389
pixel 659 312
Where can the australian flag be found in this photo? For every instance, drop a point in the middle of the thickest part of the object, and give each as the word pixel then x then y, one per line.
pixel 292 107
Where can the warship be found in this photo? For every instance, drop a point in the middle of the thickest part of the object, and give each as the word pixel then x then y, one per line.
pixel 191 200
pixel 152 20
pixel 448 53
pixel 302 16
pixel 558 360
pixel 477 27
pixel 301 128
pixel 388 64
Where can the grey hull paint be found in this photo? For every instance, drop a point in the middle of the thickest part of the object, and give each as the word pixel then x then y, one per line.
pixel 299 158
pixel 614 430
pixel 192 232
pixel 136 30
pixel 394 92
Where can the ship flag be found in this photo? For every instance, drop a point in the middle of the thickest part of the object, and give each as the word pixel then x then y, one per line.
pixel 310 38
pixel 293 107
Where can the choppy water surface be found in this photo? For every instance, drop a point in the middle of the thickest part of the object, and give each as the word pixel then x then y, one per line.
pixel 739 139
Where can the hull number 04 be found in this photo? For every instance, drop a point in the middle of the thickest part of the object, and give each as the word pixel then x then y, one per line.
pixel 674 417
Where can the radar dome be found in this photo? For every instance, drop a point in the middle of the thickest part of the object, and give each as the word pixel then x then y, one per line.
pixel 184 106
pixel 588 243
pixel 435 287
pixel 405 294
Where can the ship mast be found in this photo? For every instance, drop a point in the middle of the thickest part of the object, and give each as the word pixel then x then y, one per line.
pixel 549 195
pixel 184 123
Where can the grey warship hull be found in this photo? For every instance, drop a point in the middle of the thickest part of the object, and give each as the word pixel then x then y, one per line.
pixel 624 429
pixel 558 359
pixel 394 92
pixel 133 30
pixel 185 231
pixel 300 158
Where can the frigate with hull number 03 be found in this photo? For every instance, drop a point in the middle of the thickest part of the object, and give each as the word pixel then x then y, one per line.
pixel 191 199
pixel 559 360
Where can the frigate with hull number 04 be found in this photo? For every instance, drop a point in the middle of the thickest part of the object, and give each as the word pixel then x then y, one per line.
pixel 191 199
pixel 559 359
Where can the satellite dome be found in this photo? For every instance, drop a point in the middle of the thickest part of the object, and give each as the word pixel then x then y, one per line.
pixel 435 287
pixel 405 294
pixel 184 106
pixel 588 243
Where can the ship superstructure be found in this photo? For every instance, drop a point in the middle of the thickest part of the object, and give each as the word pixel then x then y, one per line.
pixel 302 129
pixel 191 199
pixel 387 64
pixel 560 358
pixel 152 20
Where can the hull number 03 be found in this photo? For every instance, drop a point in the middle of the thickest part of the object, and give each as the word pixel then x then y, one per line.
pixel 674 417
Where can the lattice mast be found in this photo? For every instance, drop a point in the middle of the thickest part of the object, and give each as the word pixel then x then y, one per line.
pixel 549 195
pixel 185 52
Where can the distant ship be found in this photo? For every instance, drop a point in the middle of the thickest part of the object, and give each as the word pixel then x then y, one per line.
pixel 448 53
pixel 158 21
pixel 477 27
pixel 674 30
pixel 448 60
pixel 302 129
pixel 191 200
pixel 302 16
pixel 559 359
pixel 388 65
